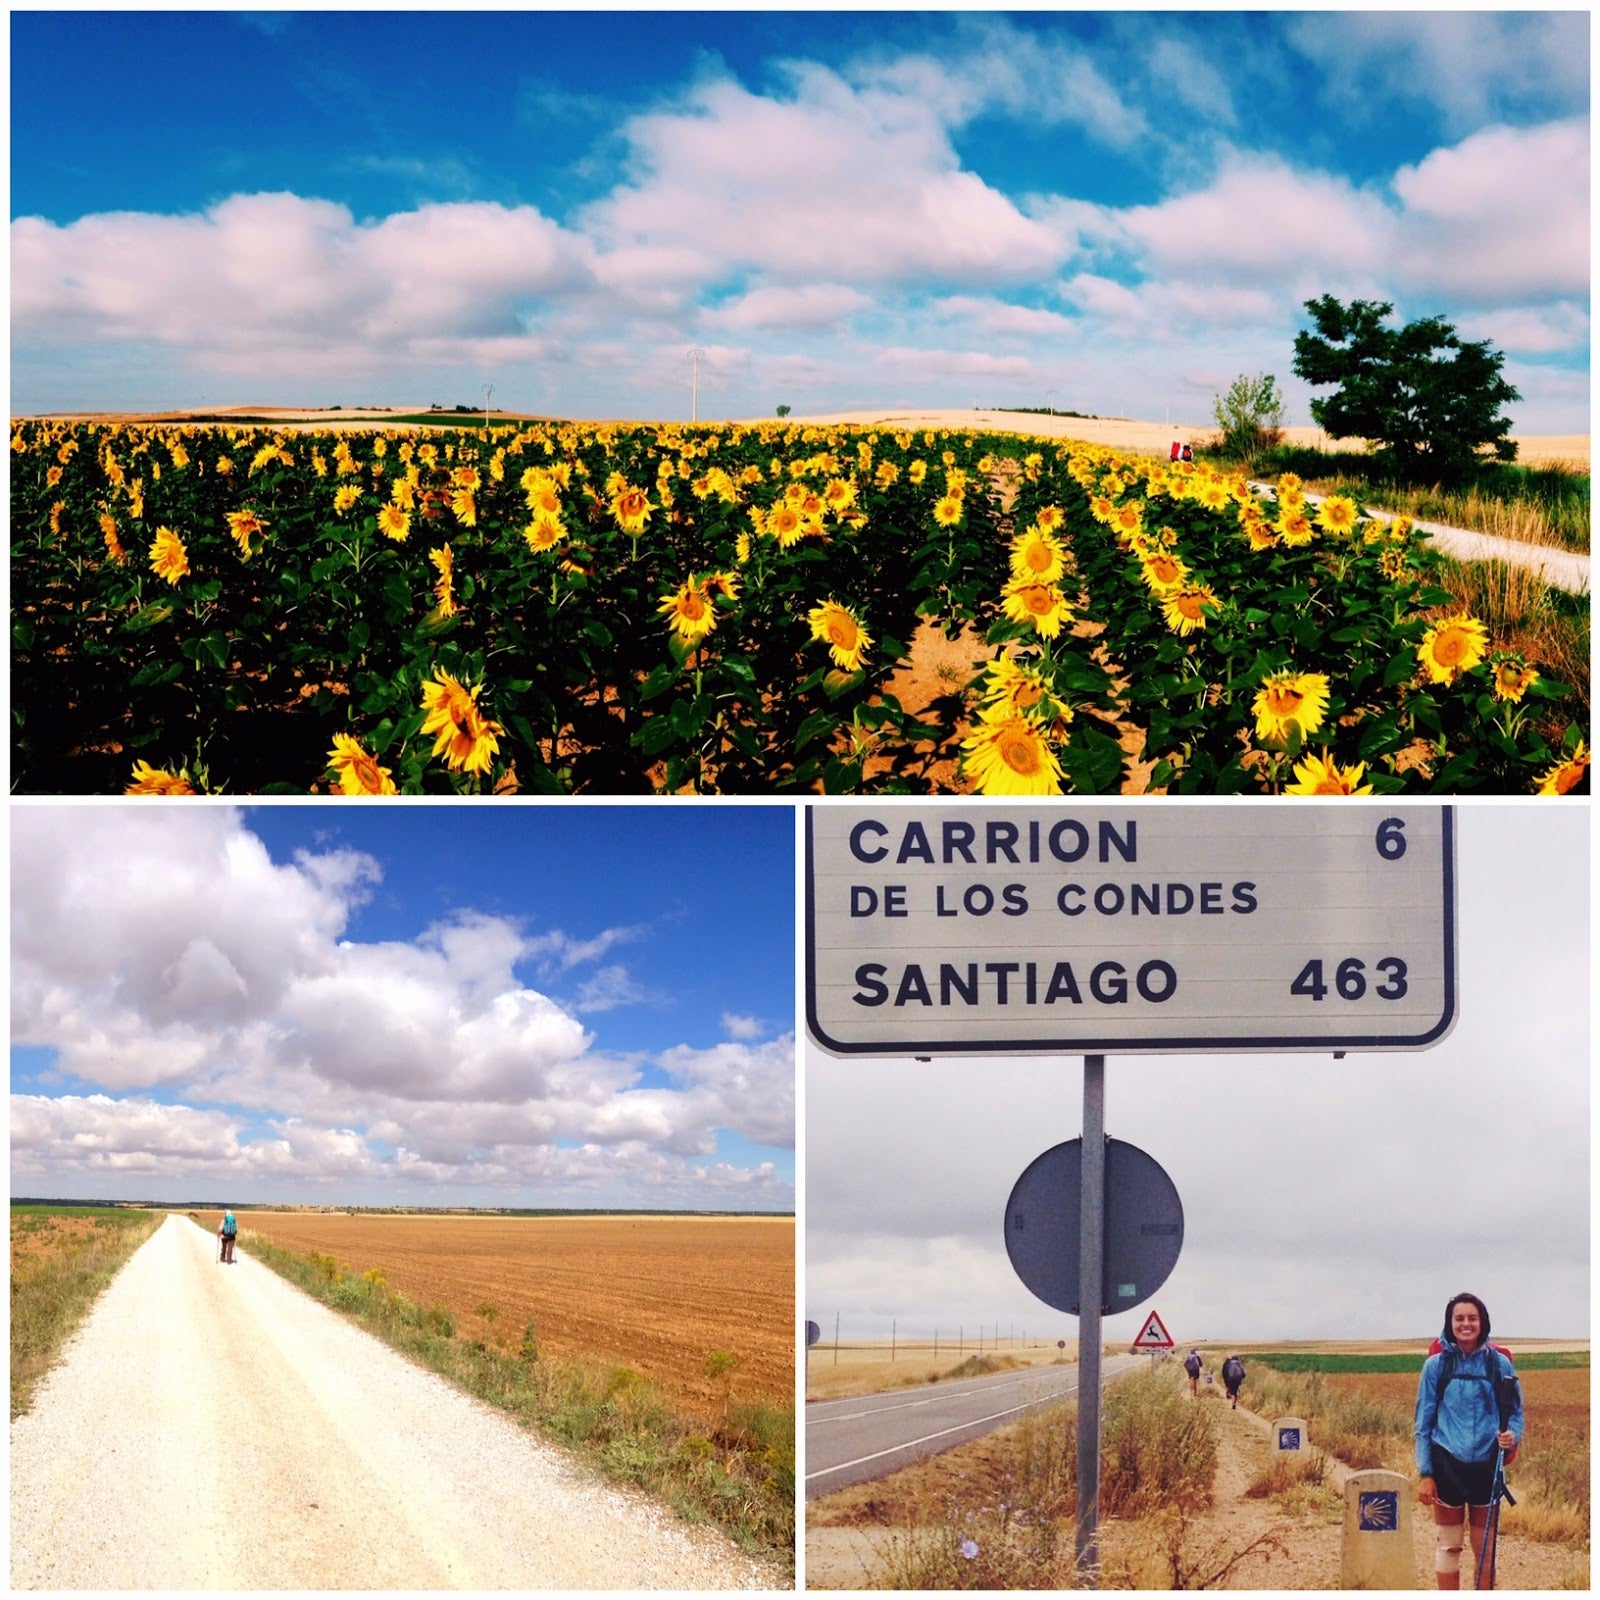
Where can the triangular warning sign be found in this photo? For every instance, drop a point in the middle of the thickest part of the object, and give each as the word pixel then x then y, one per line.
pixel 1153 1335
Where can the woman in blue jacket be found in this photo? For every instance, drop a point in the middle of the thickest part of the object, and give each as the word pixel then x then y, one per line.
pixel 1459 1433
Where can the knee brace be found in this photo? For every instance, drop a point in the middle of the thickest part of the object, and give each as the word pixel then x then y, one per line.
pixel 1447 1558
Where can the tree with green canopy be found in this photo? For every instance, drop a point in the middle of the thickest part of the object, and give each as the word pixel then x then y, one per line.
pixel 1430 400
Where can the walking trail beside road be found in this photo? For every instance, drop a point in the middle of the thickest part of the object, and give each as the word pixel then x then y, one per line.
pixel 211 1427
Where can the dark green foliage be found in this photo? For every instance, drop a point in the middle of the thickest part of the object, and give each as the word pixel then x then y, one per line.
pixel 1429 399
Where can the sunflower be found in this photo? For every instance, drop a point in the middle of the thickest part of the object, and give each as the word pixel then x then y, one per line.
pixel 244 526
pixel 1452 646
pixel 466 738
pixel 917 471
pixel 1566 775
pixel 1163 572
pixel 444 589
pixel 1019 691
pixel 840 629
pixel 1291 700
pixel 108 529
pixel 1322 775
pixel 1295 528
pixel 1049 519
pixel 1337 514
pixel 1185 611
pixel 168 557
pixel 631 507
pixel 688 608
pixel 1011 757
pixel 786 525
pixel 1037 555
pixel 741 548
pixel 947 511
pixel 1128 517
pixel 1042 604
pixel 465 506
pixel 344 497
pixel 1513 677
pixel 357 771
pixel 545 532
pixel 394 522
pixel 157 780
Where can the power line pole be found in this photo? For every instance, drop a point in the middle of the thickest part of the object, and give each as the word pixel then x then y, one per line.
pixel 694 384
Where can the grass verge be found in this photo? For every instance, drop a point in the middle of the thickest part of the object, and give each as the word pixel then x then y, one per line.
pixel 1012 1525
pixel 61 1259
pixel 1534 505
pixel 739 1475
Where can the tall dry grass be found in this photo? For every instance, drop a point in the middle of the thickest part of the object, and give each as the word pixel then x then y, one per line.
pixel 62 1258
pixel 1015 1529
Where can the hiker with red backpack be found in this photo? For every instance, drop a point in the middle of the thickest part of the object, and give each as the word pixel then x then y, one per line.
pixel 1468 1425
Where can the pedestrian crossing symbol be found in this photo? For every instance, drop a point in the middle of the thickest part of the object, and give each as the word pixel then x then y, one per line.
pixel 1153 1335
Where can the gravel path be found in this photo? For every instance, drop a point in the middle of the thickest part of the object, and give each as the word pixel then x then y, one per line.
pixel 211 1427
pixel 1561 569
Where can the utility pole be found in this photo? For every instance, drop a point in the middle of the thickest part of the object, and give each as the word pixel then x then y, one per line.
pixel 1050 400
pixel 695 357
pixel 488 389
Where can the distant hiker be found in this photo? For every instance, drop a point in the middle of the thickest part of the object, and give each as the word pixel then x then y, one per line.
pixel 1232 1377
pixel 1176 447
pixel 228 1233
pixel 1192 1364
pixel 1187 454
pixel 1469 1420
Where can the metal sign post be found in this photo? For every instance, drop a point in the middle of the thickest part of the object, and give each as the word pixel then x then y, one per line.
pixel 1091 1293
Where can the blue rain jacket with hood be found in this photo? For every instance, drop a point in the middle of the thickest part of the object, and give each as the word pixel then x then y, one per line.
pixel 1468 1418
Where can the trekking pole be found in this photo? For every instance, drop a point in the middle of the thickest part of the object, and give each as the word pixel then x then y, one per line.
pixel 1505 1395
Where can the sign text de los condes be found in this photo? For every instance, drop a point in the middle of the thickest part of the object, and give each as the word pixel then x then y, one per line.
pixel 1066 842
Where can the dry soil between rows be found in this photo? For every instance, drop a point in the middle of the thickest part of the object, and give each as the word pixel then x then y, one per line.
pixel 211 1427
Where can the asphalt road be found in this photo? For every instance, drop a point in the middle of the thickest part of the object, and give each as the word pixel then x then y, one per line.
pixel 851 1440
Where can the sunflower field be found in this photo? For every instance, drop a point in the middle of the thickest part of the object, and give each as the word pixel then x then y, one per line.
pixel 570 608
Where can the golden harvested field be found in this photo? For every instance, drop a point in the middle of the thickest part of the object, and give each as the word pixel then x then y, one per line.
pixel 872 1368
pixel 657 1294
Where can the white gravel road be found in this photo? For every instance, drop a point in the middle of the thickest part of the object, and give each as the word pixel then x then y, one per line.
pixel 210 1427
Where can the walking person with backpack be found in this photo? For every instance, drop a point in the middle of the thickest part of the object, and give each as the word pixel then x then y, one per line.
pixel 1468 1424
pixel 1192 1364
pixel 227 1234
pixel 1232 1377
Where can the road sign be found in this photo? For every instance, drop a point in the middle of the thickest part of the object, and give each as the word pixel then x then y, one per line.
pixel 813 1333
pixel 1143 1226
pixel 1108 927
pixel 1153 1335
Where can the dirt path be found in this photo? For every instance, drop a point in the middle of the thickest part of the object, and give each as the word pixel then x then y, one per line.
pixel 211 1427
pixel 1308 1532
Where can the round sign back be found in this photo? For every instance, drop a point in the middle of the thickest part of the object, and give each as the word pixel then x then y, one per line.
pixel 1143 1226
pixel 813 1333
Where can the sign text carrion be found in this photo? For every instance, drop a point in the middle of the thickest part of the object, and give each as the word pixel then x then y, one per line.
pixel 995 930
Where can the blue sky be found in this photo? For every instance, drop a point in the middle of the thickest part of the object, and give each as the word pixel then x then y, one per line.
pixel 842 210
pixel 529 1005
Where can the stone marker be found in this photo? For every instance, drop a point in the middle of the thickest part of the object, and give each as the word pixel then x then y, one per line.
pixel 1378 1552
pixel 1290 1438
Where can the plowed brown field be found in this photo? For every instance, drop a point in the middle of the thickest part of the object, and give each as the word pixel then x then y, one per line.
pixel 1552 1394
pixel 654 1293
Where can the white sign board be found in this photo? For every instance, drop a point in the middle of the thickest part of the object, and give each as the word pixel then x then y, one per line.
pixel 1048 929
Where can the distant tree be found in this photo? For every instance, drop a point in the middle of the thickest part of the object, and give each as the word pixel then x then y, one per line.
pixel 1429 399
pixel 783 411
pixel 1250 416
